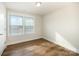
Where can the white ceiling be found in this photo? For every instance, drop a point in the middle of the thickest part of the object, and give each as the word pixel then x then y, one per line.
pixel 30 7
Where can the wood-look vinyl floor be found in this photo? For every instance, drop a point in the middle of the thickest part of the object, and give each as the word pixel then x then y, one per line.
pixel 38 47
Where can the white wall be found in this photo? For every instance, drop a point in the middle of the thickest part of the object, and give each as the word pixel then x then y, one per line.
pixel 27 37
pixel 62 27
pixel 2 27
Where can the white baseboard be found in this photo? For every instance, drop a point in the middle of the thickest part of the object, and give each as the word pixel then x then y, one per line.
pixel 2 49
pixel 19 39
pixel 51 40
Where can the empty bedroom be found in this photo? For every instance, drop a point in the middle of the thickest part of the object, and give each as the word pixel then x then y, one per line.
pixel 39 28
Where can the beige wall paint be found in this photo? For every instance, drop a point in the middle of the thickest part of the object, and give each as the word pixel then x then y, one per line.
pixel 61 26
pixel 27 37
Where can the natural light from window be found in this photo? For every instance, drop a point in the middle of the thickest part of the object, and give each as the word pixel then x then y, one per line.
pixel 19 25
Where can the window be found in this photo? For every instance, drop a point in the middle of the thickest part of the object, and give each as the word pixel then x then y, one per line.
pixel 16 26
pixel 28 25
pixel 19 25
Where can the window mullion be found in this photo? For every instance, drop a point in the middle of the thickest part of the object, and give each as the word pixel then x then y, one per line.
pixel 23 25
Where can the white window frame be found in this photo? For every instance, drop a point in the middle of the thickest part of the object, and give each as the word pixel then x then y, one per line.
pixel 33 26
pixel 24 33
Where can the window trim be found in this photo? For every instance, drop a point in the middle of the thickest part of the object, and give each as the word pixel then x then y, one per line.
pixel 23 32
pixel 33 26
pixel 10 23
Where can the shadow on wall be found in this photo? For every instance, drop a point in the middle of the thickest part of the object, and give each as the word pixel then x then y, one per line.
pixel 63 42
